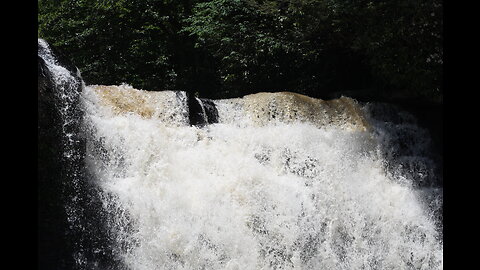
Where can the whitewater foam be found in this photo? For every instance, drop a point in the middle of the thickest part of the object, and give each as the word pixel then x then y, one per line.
pixel 281 182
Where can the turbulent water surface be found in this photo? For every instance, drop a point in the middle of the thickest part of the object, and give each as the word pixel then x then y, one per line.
pixel 282 181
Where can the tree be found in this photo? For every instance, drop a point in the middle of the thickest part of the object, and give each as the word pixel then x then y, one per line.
pixel 226 48
pixel 112 42
pixel 322 46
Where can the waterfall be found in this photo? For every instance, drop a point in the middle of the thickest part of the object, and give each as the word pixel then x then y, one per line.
pixel 280 181
pixel 166 180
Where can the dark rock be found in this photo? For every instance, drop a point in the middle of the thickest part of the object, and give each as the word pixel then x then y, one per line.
pixel 210 110
pixel 202 111
pixel 195 112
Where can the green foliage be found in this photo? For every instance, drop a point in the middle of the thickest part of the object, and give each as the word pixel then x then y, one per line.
pixel 321 46
pixel 404 44
pixel 223 48
pixel 118 41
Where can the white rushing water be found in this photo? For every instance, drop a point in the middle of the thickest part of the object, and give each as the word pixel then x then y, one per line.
pixel 252 191
pixel 67 91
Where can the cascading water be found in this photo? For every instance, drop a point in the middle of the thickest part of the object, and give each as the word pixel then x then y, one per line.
pixel 60 157
pixel 67 86
pixel 71 232
pixel 282 181
pixel 267 181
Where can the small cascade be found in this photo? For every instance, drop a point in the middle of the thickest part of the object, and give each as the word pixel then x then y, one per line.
pixel 202 111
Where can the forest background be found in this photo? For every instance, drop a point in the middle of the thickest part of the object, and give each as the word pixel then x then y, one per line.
pixel 370 50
